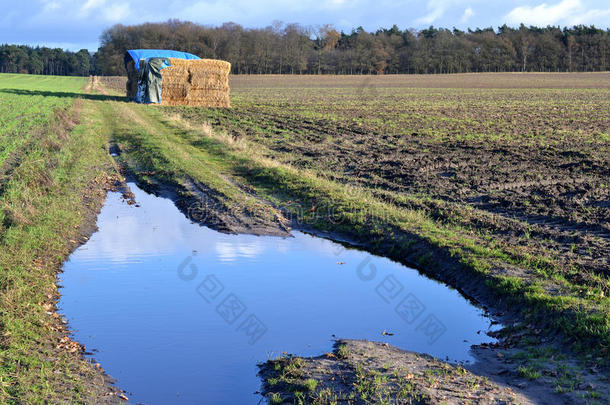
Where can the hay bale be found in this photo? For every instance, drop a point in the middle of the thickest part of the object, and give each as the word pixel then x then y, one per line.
pixel 176 72
pixel 211 81
pixel 210 65
pixel 202 82
pixel 175 91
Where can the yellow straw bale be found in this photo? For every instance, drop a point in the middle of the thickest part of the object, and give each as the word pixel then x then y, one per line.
pixel 204 64
pixel 203 82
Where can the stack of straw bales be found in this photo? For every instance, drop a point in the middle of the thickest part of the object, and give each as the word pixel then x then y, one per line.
pixel 200 82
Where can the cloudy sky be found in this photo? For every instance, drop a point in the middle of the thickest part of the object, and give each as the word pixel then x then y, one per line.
pixel 76 24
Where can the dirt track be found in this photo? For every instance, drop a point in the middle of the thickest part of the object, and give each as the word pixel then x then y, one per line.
pixel 517 178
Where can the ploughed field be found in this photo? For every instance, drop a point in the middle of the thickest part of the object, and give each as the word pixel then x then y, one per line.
pixel 535 153
pixel 496 184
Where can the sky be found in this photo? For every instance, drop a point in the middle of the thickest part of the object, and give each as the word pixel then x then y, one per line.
pixel 77 24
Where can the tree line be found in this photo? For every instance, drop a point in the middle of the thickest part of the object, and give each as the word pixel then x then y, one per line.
pixel 293 48
pixel 298 49
pixel 44 61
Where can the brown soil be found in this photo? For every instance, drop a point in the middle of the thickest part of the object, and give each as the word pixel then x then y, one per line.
pixel 363 372
pixel 461 80
pixel 540 185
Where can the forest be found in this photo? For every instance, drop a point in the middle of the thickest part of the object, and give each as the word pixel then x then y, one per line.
pixel 297 49
pixel 44 61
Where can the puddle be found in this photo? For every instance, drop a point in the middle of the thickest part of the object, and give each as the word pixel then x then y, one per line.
pixel 179 313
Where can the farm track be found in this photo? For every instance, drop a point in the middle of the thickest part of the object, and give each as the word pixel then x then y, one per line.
pixel 510 183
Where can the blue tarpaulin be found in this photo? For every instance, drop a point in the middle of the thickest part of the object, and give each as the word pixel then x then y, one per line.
pixel 137 54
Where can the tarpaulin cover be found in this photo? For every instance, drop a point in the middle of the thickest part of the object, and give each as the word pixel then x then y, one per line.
pixel 137 54
pixel 151 80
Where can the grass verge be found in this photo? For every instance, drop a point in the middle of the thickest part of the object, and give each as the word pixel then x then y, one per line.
pixel 48 205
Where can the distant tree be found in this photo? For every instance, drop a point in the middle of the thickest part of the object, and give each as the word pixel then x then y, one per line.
pixel 36 65
pixel 326 40
pixel 293 48
pixel 83 62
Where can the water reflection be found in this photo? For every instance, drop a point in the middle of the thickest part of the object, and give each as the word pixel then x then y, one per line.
pixel 182 314
pixel 229 251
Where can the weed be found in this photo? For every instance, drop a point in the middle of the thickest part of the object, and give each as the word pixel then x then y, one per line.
pixel 342 352
pixel 310 384
pixel 276 399
pixel 529 372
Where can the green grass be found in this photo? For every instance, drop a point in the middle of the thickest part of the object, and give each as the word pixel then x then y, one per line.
pixel 22 115
pixel 310 384
pixel 49 167
pixel 529 372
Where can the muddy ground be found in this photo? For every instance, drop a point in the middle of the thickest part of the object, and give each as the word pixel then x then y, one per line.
pixel 524 147
pixel 363 372
pixel 551 193
pixel 519 160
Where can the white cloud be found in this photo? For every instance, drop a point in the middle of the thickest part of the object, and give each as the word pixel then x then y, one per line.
pixel 112 13
pixel 436 9
pixel 50 6
pixel 217 12
pixel 116 12
pixel 90 6
pixel 544 14
pixel 209 12
pixel 467 14
pixel 594 16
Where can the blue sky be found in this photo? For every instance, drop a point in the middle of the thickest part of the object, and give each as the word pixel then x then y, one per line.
pixel 76 24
